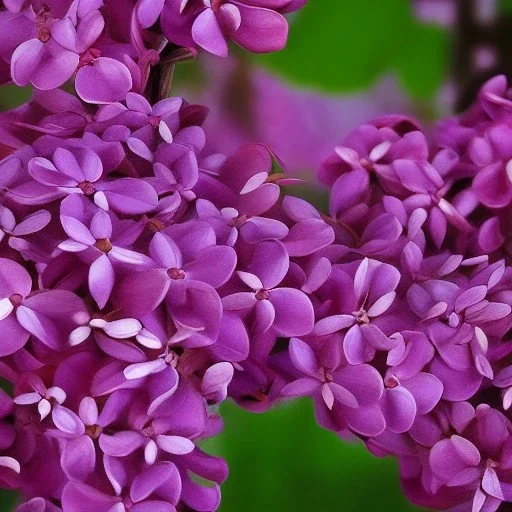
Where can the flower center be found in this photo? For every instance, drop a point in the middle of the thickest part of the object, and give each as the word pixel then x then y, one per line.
pixel 154 121
pixel 238 222
pixel 391 382
pixel 262 294
pixel 43 34
pixel 93 431
pixel 128 503
pixel 88 57
pixel 43 21
pixel 172 358
pixel 87 188
pixel 148 431
pixel 104 245
pixel 361 317
pixel 326 375
pixel 176 273
pixel 16 299
pixel 272 178
pixel 367 164
pixel 155 225
pixel 216 4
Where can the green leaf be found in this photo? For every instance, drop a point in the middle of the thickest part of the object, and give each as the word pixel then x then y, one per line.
pixel 347 46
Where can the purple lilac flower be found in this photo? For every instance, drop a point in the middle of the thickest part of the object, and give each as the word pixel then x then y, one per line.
pixel 127 287
pixel 62 43
pixel 256 26
pixel 442 312
pixel 144 280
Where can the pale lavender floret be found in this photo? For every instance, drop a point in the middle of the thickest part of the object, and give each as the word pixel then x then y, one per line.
pixel 493 184
pixel 187 273
pixel 47 315
pixel 80 171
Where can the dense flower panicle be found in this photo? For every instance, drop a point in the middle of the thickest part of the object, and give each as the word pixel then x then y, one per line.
pixel 411 345
pixel 145 279
pixel 125 254
pixel 109 47
pixel 135 261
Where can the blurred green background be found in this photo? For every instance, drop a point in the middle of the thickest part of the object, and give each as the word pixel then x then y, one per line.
pixel 282 461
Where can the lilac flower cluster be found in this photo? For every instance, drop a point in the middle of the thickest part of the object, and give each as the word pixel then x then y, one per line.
pixel 134 269
pixel 132 262
pixel 145 279
pixel 411 348
pixel 256 25
pixel 109 47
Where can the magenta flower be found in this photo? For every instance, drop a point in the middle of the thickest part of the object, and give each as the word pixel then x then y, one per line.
pixel 493 184
pixel 259 28
pixel 80 171
pixel 49 316
pixel 63 44
pixel 144 280
pixel 457 462
pixel 158 486
pixel 288 311
pixel 91 229
pixel 188 271
pixel 366 300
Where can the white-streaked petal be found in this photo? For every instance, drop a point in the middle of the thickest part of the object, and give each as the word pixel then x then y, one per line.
pixel 88 411
pixel 72 246
pixel 148 339
pixel 79 335
pixel 165 132
pixel 10 463
pixel 6 308
pixel 379 151
pixel 182 334
pixel 123 329
pixel 44 407
pixel 254 182
pixel 229 213
pixel 98 323
pixel 27 398
pixel 250 280
pixel 100 200
pixel 176 445
pixel 56 393
pixel 150 452
pixel 139 370
pixel 140 148
pixel 348 155
pixel 131 257
pixel 381 305
pixel 507 398
pixel 482 339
